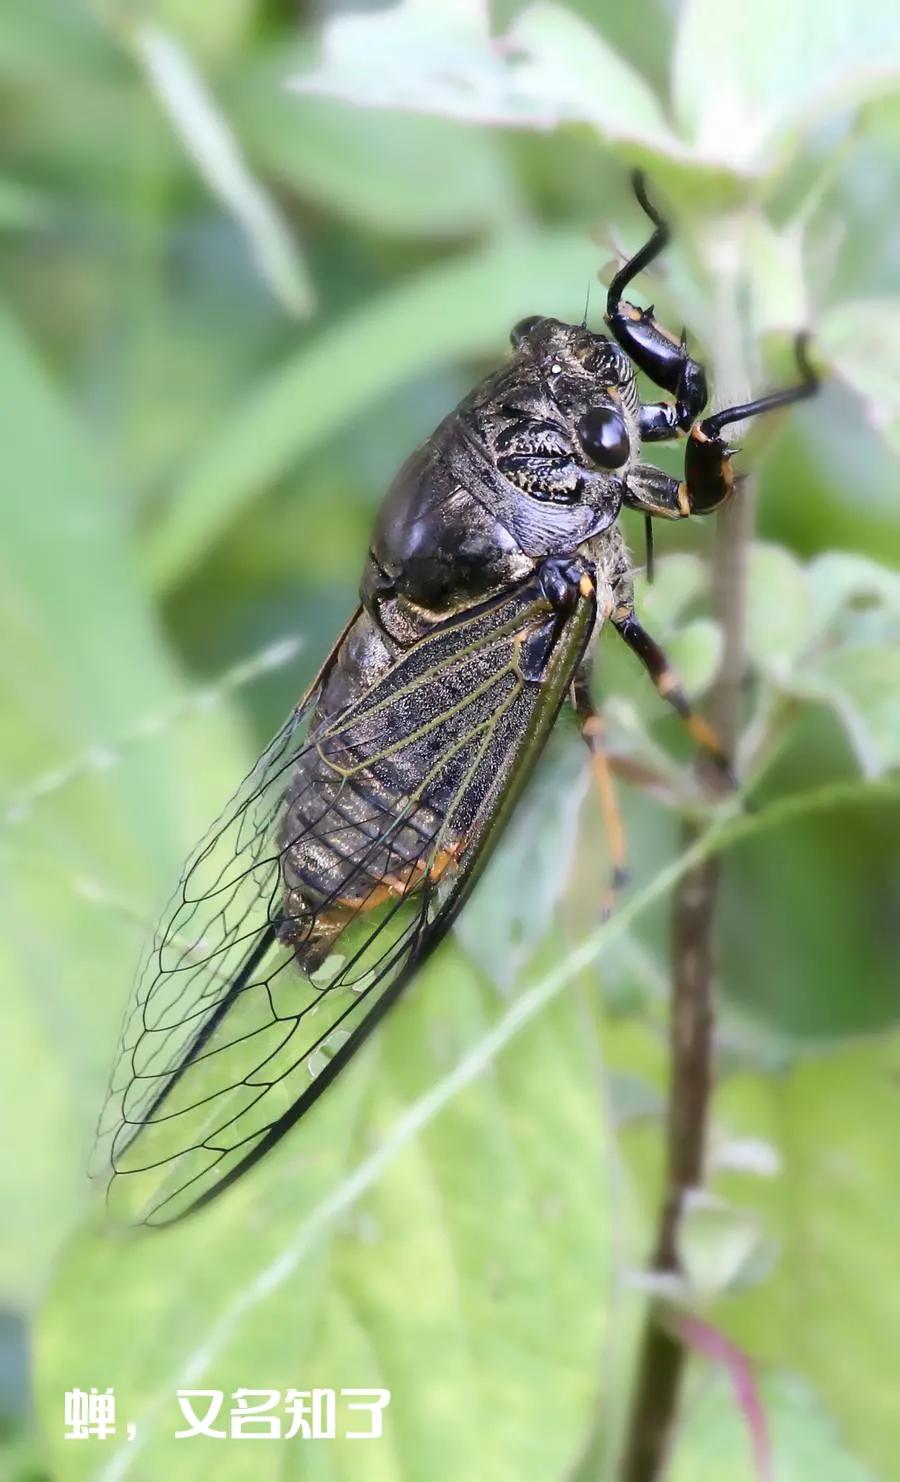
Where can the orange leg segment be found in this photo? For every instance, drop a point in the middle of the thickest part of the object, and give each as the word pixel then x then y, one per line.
pixel 593 731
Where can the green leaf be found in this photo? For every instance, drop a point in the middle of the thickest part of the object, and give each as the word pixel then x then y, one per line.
pixel 696 653
pixel 831 1309
pixel 741 83
pixel 513 907
pixel 375 169
pixel 830 633
pixel 506 1282
pixel 748 79
pixel 21 207
pixel 90 658
pixel 213 32
pixel 777 277
pixel 466 307
pixel 695 646
pixel 90 831
pixel 841 582
pixel 779 611
pixel 861 338
pixel 713 1440
pixel 469 1278
pixel 551 68
pixel 861 681
pixel 433 55
pixel 678 580
pixel 571 74
pixel 210 141
pixel 721 1247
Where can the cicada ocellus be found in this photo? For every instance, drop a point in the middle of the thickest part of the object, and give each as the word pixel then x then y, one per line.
pixel 352 845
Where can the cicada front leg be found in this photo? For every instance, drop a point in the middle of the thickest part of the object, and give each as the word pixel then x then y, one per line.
pixel 654 349
pixel 708 476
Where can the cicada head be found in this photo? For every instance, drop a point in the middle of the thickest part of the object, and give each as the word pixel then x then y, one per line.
pixel 589 382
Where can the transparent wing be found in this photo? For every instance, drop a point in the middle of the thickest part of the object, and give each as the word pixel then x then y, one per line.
pixel 302 914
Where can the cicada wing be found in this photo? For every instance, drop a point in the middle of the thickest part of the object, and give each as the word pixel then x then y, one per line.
pixel 330 876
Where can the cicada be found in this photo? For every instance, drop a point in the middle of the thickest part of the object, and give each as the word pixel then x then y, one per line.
pixel 352 845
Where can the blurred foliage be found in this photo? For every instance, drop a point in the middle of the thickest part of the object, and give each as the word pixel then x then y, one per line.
pixel 230 307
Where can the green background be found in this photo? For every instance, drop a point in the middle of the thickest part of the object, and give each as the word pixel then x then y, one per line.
pixel 229 310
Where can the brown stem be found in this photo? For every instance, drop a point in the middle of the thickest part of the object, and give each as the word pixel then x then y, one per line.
pixel 661 1356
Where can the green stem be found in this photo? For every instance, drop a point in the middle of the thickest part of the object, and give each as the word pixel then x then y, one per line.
pixel 661 1358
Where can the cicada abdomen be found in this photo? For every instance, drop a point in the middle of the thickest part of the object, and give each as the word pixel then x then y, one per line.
pixel 350 842
pixel 384 800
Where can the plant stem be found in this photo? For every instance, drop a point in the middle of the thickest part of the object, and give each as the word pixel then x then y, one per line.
pixel 661 1355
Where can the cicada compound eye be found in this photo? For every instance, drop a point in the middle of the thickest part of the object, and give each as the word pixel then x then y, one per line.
pixel 604 437
pixel 522 330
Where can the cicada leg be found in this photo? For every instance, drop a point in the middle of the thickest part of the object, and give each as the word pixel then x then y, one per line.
pixel 654 349
pixel 708 477
pixel 669 686
pixel 593 731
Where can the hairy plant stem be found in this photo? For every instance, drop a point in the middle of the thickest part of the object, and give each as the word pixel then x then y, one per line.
pixel 661 1355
